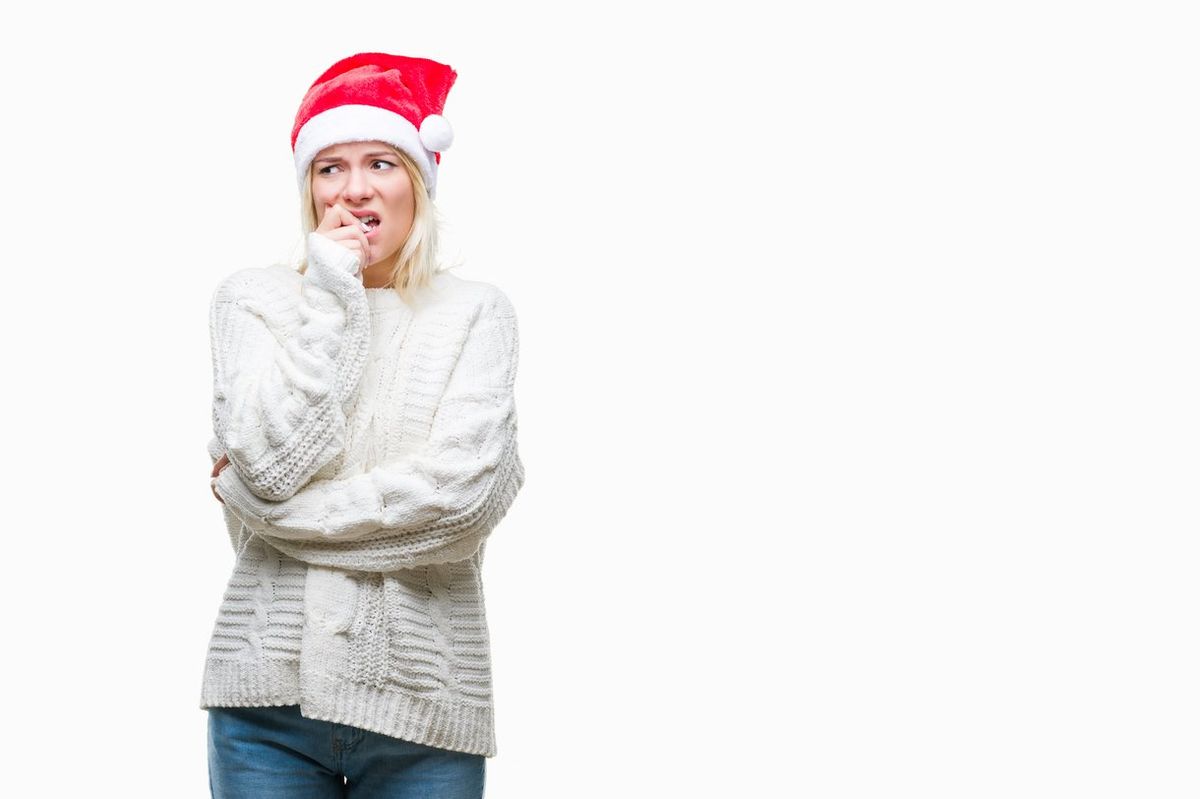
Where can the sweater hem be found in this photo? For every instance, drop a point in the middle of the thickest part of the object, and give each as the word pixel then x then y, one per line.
pixel 234 683
pixel 432 722
pixel 418 719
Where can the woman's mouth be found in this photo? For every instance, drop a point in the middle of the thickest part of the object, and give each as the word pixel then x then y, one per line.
pixel 370 224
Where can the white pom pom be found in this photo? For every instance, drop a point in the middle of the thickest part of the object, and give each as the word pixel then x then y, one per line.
pixel 436 133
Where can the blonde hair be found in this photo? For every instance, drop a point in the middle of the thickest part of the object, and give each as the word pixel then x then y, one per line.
pixel 416 262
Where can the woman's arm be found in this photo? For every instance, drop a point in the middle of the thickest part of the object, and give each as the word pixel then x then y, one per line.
pixel 431 506
pixel 286 364
pixel 233 525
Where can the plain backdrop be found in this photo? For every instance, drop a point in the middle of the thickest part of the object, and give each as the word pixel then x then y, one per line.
pixel 858 383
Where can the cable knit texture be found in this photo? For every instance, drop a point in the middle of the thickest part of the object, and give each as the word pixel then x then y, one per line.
pixel 285 370
pixel 373 450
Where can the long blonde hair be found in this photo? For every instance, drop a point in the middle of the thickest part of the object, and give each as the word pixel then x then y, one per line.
pixel 416 261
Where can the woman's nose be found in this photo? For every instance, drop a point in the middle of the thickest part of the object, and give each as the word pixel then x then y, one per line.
pixel 358 185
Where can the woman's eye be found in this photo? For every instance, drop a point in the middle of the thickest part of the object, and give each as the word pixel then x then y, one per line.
pixel 325 169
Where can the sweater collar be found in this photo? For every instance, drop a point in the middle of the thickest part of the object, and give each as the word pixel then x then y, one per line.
pixel 383 299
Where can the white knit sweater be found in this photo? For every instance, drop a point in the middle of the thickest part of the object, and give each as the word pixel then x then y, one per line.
pixel 372 449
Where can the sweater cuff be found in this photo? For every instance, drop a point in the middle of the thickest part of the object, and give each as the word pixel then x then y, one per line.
pixel 327 252
pixel 238 498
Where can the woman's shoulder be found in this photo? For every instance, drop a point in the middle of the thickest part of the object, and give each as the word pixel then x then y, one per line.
pixel 475 295
pixel 254 279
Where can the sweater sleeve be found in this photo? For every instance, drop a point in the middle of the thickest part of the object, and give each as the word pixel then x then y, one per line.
pixel 286 365
pixel 433 505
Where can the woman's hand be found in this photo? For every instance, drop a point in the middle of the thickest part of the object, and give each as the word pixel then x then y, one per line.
pixel 217 467
pixel 343 227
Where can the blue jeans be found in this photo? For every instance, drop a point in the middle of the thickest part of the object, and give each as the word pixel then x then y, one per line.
pixel 274 752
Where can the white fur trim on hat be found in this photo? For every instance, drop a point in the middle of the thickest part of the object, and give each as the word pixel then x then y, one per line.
pixel 348 123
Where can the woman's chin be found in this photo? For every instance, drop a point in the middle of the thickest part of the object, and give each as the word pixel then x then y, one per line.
pixel 384 259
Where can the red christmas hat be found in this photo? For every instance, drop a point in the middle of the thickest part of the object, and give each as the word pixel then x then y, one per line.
pixel 377 97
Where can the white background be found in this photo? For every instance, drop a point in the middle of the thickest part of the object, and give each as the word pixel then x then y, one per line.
pixel 858 385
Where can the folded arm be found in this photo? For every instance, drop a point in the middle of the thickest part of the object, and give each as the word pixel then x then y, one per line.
pixel 286 365
pixel 233 525
pixel 433 505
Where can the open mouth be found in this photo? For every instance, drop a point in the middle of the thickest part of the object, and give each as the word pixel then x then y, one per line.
pixel 369 222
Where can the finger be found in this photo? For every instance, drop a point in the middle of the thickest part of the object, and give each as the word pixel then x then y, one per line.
pixel 339 216
pixel 332 218
pixel 366 245
pixel 328 220
pixel 344 235
pixel 353 228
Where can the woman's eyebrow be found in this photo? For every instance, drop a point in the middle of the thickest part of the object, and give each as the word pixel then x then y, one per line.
pixel 367 155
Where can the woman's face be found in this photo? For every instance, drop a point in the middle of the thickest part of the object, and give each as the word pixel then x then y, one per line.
pixel 366 177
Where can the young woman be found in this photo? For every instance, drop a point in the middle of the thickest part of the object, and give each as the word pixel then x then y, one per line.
pixel 364 449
